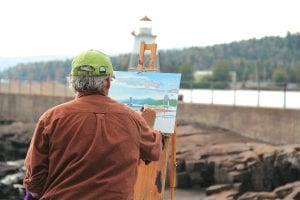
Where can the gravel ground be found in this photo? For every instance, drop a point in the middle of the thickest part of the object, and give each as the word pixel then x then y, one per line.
pixel 187 194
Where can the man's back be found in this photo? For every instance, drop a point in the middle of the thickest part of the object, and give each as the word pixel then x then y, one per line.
pixel 91 147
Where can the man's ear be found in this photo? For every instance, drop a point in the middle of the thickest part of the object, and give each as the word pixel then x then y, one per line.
pixel 108 83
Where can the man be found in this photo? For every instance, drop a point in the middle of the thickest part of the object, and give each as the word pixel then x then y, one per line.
pixel 89 148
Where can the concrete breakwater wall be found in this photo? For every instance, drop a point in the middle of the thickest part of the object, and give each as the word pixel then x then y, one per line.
pixel 27 108
pixel 276 126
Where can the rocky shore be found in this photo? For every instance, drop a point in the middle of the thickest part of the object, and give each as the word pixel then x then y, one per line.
pixel 14 141
pixel 217 162
pixel 233 167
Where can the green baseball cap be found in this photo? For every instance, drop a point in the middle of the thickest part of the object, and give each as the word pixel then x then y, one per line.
pixel 91 63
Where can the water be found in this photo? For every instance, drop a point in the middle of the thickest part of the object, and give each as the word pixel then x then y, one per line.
pixel 261 98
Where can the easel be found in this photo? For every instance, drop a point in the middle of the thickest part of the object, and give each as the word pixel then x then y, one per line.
pixel 151 178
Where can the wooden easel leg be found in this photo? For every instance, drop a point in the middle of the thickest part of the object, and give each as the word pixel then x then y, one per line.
pixel 150 183
pixel 173 167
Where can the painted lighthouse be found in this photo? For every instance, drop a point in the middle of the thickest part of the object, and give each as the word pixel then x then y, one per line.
pixel 142 33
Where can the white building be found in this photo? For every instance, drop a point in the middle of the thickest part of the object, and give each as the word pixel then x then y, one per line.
pixel 142 33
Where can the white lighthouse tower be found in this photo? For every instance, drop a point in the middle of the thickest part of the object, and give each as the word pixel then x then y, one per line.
pixel 143 33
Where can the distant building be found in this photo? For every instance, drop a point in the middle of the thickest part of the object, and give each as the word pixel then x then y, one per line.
pixel 201 73
pixel 142 33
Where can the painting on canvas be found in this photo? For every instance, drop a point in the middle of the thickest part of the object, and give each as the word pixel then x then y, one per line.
pixel 156 90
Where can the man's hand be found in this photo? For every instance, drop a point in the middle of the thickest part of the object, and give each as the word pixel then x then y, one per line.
pixel 31 196
pixel 149 115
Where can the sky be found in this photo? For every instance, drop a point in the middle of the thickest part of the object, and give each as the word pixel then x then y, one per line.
pixel 144 85
pixel 66 27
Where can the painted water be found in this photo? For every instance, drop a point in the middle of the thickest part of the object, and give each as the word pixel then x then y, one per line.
pixel 165 116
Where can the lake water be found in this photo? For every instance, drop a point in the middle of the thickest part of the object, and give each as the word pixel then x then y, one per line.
pixel 261 98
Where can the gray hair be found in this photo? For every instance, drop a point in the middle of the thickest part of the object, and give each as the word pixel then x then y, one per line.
pixel 87 83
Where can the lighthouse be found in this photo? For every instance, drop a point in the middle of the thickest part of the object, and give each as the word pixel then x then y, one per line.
pixel 142 33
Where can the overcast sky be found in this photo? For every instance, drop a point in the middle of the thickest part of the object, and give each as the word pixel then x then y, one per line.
pixel 53 27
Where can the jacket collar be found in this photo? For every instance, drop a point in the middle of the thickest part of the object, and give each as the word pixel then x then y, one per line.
pixel 82 94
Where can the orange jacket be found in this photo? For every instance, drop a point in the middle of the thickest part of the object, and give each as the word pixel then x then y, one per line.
pixel 89 148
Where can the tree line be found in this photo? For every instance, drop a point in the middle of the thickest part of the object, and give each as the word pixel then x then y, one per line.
pixel 267 59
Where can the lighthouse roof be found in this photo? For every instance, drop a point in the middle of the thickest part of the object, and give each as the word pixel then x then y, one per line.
pixel 145 19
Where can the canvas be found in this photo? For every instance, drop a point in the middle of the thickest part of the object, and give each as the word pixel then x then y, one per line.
pixel 156 90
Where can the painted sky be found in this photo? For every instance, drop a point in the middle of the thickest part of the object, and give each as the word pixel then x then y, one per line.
pixel 144 85
pixel 54 27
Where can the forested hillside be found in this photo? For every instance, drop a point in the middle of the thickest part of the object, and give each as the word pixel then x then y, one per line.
pixel 267 59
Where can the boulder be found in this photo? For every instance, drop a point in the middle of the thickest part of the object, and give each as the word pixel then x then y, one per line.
pixel 258 196
pixel 6 169
pixel 218 188
pixel 183 180
pixel 287 189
